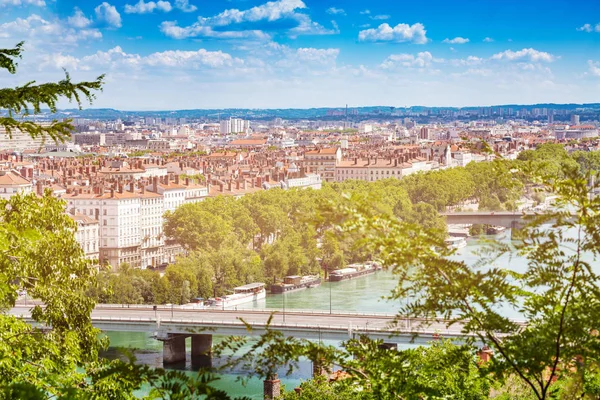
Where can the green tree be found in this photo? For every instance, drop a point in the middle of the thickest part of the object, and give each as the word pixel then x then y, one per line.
pixel 557 294
pixel 30 97
pixel 58 356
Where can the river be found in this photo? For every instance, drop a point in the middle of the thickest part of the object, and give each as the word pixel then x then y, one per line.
pixel 362 295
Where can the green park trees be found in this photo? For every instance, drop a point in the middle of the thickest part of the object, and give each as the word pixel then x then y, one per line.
pixel 57 356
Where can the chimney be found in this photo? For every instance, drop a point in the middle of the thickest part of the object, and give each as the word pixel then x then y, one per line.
pixel 155 184
pixel 229 185
pixel 259 181
pixel 40 188
pixel 177 179
pixel 112 193
pixel 187 181
pixel 132 187
pixel 24 172
pixel 221 187
pixel 237 185
pixel 120 188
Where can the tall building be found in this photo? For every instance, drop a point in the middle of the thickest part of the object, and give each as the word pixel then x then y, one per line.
pixel 574 119
pixel 234 125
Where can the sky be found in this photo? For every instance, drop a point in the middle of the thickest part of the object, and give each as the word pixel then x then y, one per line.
pixel 188 54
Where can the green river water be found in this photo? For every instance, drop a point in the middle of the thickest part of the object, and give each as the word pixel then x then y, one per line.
pixel 361 295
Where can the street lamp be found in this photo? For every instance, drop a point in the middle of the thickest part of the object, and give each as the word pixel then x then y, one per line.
pixel 329 296
pixel 283 305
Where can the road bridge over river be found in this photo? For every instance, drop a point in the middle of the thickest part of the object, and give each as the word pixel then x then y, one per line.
pixel 508 219
pixel 172 325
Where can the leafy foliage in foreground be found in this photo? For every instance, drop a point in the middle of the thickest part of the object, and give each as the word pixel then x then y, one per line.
pixel 557 293
pixel 366 369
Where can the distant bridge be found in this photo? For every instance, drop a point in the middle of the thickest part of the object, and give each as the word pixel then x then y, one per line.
pixel 508 219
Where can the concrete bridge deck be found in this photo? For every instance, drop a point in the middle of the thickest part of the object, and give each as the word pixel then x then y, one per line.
pixel 312 325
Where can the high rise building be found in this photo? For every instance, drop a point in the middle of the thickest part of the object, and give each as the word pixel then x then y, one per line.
pixel 234 125
pixel 574 119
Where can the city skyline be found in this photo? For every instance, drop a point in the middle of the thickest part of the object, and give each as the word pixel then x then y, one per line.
pixel 301 54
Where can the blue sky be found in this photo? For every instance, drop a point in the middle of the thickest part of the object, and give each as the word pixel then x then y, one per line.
pixel 177 54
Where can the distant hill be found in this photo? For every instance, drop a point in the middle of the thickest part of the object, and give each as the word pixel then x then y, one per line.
pixel 286 113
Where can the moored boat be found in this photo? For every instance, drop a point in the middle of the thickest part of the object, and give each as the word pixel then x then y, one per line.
pixel 295 282
pixel 455 242
pixel 242 294
pixel 353 271
pixel 494 230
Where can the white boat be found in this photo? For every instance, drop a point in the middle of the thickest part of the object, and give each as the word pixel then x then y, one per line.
pixel 242 294
pixel 455 242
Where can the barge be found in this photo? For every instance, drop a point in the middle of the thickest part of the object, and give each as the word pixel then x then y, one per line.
pixel 295 282
pixel 353 271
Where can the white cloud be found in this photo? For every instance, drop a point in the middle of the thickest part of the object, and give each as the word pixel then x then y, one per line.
pixel 270 11
pixel 415 33
pixel 366 12
pixel 79 20
pixel 423 59
pixel 594 68
pixel 171 29
pixel 145 8
pixel 306 26
pixel 526 54
pixel 116 59
pixel 16 3
pixel 322 56
pixel 488 40
pixel 456 40
pixel 589 28
pixel 108 14
pixel 47 33
pixel 193 59
pixel 380 17
pixel 336 11
pixel 185 6
pixel 60 61
pixel 470 60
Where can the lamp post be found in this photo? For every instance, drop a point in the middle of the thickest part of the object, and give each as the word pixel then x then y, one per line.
pixel 284 306
pixel 330 296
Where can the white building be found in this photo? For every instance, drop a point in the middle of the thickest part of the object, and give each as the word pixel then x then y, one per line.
pixel 234 125
pixel 12 183
pixel 87 235
pixel 312 181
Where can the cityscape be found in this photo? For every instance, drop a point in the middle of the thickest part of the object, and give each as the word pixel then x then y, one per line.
pixel 299 200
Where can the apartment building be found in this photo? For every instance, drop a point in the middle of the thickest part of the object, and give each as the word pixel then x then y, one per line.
pixel 87 235
pixel 323 161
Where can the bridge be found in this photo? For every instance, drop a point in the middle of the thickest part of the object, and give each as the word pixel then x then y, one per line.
pixel 173 324
pixel 508 219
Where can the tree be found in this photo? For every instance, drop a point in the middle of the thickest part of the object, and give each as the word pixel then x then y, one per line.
pixel 557 294
pixel 22 100
pixel 58 356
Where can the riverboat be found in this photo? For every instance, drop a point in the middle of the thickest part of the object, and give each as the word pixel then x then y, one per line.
pixel 242 294
pixel 295 282
pixel 354 271
pixel 455 242
pixel 494 230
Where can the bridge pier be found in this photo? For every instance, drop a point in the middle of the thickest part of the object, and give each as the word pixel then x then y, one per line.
pixel 272 387
pixel 174 348
pixel 202 350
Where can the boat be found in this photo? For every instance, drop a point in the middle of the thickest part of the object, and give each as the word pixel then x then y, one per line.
pixel 494 230
pixel 295 282
pixel 354 271
pixel 242 294
pixel 455 242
